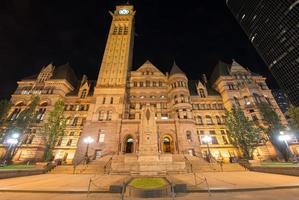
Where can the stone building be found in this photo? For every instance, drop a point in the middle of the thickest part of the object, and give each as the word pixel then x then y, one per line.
pixel 144 115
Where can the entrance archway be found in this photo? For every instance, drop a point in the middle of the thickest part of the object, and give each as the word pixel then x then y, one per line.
pixel 129 145
pixel 167 144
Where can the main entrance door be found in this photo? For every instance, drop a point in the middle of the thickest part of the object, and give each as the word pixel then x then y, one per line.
pixel 167 144
pixel 129 145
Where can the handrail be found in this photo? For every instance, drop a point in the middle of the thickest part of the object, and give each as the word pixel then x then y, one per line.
pixel 204 180
pixel 171 186
pixel 190 164
pixel 124 186
pixel 80 162
pixel 108 164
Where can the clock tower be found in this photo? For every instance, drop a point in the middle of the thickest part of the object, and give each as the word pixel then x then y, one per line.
pixel 108 108
pixel 117 59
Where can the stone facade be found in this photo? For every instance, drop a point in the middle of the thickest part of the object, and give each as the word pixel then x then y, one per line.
pixel 143 112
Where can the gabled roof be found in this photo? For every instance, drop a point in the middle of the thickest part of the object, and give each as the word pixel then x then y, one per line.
pixel 221 69
pixel 192 85
pixel 61 72
pixel 236 67
pixel 149 66
pixel 175 69
pixel 65 72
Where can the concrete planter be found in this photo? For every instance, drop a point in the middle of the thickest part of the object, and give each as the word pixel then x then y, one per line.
pixel 24 172
pixel 18 173
pixel 148 193
pixel 292 171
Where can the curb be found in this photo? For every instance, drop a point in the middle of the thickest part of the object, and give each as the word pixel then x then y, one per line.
pixel 53 191
pixel 241 189
pixel 220 190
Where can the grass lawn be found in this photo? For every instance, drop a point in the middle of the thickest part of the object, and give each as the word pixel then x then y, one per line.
pixel 278 164
pixel 12 167
pixel 148 183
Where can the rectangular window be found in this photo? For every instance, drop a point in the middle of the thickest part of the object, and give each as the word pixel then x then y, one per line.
pixel 102 138
pixel 225 141
pixel 109 117
pixel 69 143
pixel 214 140
pixel 212 132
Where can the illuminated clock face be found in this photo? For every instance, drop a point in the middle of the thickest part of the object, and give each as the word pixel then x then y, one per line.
pixel 123 12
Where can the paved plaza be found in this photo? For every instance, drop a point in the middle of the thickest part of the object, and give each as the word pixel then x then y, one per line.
pixel 289 194
pixel 79 183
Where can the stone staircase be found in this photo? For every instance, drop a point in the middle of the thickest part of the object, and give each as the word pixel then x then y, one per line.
pixel 201 165
pixel 93 167
pixel 156 165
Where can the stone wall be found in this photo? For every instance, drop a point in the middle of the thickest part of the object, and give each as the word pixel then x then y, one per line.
pixel 17 173
pixel 292 171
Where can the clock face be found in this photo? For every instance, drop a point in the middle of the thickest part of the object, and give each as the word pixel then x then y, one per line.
pixel 123 12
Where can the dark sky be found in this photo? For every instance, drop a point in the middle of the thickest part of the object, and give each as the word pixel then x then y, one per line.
pixel 196 33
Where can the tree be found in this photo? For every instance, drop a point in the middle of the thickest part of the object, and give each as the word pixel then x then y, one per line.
pixel 242 131
pixel 54 128
pixel 4 108
pixel 27 116
pixel 274 127
pixel 20 126
pixel 293 112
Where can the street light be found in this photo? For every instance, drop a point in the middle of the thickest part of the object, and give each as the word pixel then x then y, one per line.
pixel 207 139
pixel 88 140
pixel 285 138
pixel 11 141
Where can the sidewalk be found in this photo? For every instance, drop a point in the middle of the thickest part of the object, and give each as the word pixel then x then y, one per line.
pixel 233 181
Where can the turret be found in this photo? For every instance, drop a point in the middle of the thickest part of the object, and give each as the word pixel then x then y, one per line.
pixel 179 93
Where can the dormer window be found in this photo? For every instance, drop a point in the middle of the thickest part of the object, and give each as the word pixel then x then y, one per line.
pixel 83 94
pixel 202 93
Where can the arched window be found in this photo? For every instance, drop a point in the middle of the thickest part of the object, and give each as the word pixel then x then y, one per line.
pixel 102 116
pixel 257 98
pixel 236 101
pixel 218 120
pixel 209 120
pixel 59 142
pixel 69 142
pixel 175 99
pixel 40 114
pixel 83 94
pixel 189 136
pixel 30 139
pixel 75 121
pixel 198 119
pixel 223 118
pixel 182 100
pixel 14 115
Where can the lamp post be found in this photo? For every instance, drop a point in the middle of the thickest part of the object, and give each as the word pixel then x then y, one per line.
pixel 285 138
pixel 11 141
pixel 88 140
pixel 207 139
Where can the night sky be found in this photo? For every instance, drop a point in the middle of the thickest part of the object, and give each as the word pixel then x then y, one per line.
pixel 196 33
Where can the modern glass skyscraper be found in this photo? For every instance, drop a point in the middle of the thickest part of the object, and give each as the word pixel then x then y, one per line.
pixel 273 28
